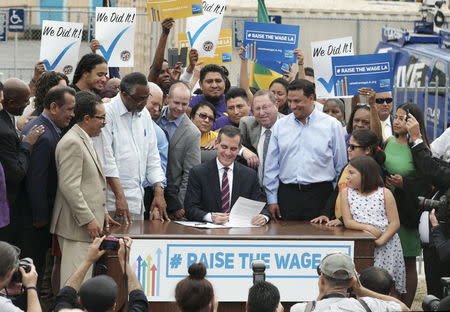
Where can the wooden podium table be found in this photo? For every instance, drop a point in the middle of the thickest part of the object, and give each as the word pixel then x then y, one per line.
pixel 279 232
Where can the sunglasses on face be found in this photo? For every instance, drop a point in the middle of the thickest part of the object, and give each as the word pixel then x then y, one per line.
pixel 388 100
pixel 352 146
pixel 204 116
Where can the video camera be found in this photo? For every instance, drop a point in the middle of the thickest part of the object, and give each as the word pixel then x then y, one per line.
pixel 259 269
pixel 441 207
pixel 430 302
pixel 25 263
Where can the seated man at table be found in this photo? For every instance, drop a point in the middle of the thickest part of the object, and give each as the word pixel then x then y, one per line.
pixel 214 186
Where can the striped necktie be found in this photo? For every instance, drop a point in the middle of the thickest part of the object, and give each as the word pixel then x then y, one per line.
pixel 225 191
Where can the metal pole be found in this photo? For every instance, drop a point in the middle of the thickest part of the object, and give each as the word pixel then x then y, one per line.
pixel 446 104
pixel 435 113
pixel 425 105
pixel 15 54
pixel 415 90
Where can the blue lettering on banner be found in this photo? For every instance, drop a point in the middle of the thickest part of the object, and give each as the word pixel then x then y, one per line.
pixel 362 69
pixel 293 261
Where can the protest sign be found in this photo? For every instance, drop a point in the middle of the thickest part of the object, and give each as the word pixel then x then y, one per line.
pixel 223 52
pixel 160 264
pixel 321 52
pixel 357 71
pixel 114 29
pixel 203 31
pixel 158 10
pixel 60 45
pixel 271 42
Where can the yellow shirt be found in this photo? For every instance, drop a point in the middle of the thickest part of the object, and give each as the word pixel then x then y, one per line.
pixel 341 184
pixel 208 136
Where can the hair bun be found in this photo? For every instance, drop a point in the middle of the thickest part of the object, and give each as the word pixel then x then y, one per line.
pixel 197 271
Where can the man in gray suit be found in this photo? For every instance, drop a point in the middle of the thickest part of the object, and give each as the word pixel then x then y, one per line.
pixel 184 142
pixel 255 130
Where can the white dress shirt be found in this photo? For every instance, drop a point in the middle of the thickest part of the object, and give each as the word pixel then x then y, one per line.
pixel 441 146
pixel 128 150
pixel 387 129
pixel 220 167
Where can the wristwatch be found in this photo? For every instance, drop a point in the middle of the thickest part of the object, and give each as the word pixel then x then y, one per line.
pixel 158 184
pixel 417 141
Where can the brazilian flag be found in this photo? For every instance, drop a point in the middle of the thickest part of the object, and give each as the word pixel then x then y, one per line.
pixel 260 76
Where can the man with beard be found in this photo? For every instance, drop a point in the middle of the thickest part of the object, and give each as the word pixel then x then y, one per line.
pixel 128 146
pixel 212 83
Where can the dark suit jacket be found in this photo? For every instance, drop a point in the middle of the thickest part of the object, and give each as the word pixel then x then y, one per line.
pixel 203 190
pixel 14 156
pixel 41 178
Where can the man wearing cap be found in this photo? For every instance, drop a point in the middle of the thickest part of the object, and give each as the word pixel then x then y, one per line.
pixel 336 275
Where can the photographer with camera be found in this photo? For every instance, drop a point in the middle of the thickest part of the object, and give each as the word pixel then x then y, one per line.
pixel 99 293
pixel 338 280
pixel 12 269
pixel 436 252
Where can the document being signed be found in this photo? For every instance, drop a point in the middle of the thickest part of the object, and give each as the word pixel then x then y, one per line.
pixel 241 215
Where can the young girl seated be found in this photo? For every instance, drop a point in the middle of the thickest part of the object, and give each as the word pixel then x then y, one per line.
pixel 368 206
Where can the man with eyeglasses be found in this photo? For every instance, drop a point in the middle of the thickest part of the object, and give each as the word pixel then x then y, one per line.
pixel 130 154
pixel 383 105
pixel 256 129
pixel 184 143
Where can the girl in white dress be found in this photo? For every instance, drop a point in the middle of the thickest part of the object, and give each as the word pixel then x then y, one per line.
pixel 368 206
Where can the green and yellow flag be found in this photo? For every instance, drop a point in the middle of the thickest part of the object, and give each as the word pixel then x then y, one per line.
pixel 260 76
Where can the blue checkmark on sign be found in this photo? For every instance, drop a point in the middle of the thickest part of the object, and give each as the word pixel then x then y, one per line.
pixel 107 52
pixel 49 66
pixel 328 85
pixel 192 39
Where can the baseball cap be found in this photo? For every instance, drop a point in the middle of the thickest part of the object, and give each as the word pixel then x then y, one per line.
pixel 338 266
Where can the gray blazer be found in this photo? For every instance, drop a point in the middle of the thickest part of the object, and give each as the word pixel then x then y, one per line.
pixel 184 153
pixel 251 132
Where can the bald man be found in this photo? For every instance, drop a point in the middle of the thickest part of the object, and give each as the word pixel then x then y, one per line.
pixel 155 102
pixel 184 142
pixel 15 153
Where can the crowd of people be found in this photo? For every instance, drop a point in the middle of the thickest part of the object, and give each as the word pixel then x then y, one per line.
pixel 79 157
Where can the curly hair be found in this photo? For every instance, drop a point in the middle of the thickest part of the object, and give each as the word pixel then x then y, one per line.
pixel 47 81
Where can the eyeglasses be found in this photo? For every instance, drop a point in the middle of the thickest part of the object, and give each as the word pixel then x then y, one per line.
pixel 352 146
pixel 388 100
pixel 139 100
pixel 204 116
pixel 100 117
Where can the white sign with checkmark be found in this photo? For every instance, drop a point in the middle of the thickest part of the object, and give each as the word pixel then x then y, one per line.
pixel 60 45
pixel 114 29
pixel 322 51
pixel 203 30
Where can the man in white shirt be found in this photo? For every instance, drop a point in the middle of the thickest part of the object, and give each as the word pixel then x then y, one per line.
pixel 383 105
pixel 130 153
pixel 336 275
pixel 441 146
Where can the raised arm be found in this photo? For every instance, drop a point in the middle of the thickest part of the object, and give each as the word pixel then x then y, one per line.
pixel 243 76
pixel 158 60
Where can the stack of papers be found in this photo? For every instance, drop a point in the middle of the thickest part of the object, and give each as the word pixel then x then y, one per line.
pixel 241 215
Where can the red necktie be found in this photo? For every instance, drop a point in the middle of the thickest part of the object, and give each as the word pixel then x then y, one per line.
pixel 225 191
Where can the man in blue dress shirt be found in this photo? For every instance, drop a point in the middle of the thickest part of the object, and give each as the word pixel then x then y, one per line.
pixel 306 154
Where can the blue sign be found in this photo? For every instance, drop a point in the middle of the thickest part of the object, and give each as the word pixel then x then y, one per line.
pixel 357 71
pixel 3 24
pixel 275 19
pixel 16 20
pixel 270 42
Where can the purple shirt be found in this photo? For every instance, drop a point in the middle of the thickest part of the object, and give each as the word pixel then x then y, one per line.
pixel 4 208
pixel 221 107
pixel 222 122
